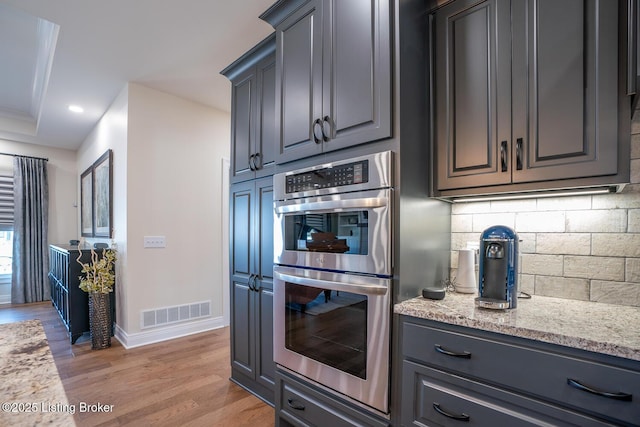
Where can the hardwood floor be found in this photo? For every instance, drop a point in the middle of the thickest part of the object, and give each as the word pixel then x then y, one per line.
pixel 179 382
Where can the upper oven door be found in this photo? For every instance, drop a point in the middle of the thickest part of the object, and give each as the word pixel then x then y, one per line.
pixel 348 232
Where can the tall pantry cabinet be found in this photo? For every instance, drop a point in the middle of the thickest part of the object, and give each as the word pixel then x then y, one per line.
pixel 251 218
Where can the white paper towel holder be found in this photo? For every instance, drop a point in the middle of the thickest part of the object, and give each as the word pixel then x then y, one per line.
pixel 465 282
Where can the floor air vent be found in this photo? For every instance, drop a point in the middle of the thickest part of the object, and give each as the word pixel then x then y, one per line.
pixel 178 313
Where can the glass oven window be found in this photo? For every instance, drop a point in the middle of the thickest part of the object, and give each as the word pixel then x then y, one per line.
pixel 333 232
pixel 327 326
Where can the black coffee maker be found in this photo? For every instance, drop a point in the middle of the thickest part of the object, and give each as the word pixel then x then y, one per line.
pixel 498 275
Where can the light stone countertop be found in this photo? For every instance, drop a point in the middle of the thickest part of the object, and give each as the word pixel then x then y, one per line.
pixel 601 328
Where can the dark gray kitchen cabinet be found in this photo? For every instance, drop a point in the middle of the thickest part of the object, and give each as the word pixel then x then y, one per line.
pixel 251 264
pixel 524 91
pixel 301 404
pixel 452 374
pixel 253 143
pixel 333 75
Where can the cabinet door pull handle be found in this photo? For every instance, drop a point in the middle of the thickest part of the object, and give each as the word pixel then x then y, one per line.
pixel 464 354
pixel 252 164
pixel 294 404
pixel 617 396
pixel 503 156
pixel 519 143
pixel 256 282
pixel 461 417
pixel 317 125
pixel 257 161
pixel 325 135
pixel 250 282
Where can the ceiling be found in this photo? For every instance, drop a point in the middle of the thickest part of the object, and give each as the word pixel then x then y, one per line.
pixel 68 52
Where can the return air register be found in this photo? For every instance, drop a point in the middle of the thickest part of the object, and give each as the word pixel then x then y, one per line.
pixel 175 314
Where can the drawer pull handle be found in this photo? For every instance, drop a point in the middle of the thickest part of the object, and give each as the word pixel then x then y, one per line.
pixel 294 404
pixel 461 417
pixel 610 395
pixel 464 354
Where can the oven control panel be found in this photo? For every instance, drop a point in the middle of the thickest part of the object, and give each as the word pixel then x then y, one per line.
pixel 336 176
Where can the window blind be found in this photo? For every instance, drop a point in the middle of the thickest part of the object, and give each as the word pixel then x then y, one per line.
pixel 6 203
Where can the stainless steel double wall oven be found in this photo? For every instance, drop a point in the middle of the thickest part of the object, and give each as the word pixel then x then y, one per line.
pixel 332 279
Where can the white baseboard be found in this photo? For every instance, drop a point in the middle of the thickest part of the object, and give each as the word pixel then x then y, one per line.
pixel 167 333
pixel 5 299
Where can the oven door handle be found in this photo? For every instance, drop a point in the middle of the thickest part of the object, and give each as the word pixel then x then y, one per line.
pixel 367 203
pixel 359 288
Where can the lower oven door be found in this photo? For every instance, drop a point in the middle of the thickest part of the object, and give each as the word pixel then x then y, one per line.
pixel 333 328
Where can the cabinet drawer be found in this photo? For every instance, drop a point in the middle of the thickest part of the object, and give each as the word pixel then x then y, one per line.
pixel 302 405
pixel 535 372
pixel 445 400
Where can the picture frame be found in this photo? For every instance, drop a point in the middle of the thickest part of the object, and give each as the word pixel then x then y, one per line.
pixel 86 203
pixel 102 195
pixel 96 198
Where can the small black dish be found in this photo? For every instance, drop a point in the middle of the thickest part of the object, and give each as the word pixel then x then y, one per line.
pixel 433 293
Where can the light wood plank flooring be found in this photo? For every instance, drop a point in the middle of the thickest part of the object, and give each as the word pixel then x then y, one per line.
pixel 181 382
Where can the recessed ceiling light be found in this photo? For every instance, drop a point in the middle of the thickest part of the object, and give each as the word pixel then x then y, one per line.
pixel 76 109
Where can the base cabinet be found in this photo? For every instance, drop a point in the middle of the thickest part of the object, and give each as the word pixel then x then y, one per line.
pixel 299 403
pixel 251 237
pixel 70 301
pixel 453 374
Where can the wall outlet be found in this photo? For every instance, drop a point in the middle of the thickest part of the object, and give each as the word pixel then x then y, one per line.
pixel 155 242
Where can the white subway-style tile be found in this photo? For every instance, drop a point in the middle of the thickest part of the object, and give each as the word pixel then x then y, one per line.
pixel 483 221
pixel 540 222
pixel 562 287
pixel 568 203
pixel 597 221
pixel 622 293
pixel 632 270
pixel 461 223
pixel 547 265
pixel 590 267
pixel 616 244
pixel 634 221
pixel 563 243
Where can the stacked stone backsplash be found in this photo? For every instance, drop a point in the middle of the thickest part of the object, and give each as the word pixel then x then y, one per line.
pixel 576 247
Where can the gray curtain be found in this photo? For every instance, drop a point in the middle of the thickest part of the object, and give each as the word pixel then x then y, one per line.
pixel 30 231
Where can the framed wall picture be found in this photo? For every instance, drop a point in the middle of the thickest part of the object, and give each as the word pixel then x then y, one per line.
pixel 86 203
pixel 102 195
pixel 96 198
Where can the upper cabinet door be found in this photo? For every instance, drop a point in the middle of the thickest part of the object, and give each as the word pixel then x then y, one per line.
pixel 242 129
pixel 253 143
pixel 526 95
pixel 356 72
pixel 565 89
pixel 471 53
pixel 266 142
pixel 299 83
pixel 334 76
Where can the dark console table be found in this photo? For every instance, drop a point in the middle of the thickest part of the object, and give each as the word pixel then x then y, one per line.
pixel 66 296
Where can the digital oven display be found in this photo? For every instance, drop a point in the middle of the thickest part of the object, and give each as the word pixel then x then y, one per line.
pixel 337 176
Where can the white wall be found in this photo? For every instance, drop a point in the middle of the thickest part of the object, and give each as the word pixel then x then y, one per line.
pixel 167 182
pixel 62 174
pixel 111 133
